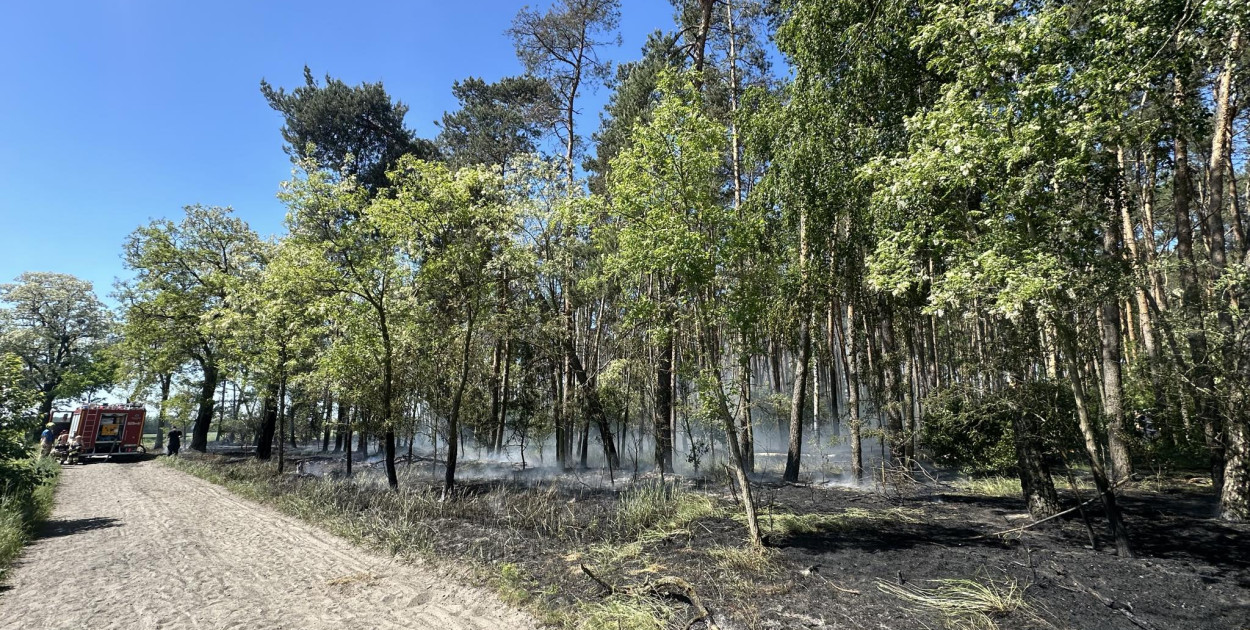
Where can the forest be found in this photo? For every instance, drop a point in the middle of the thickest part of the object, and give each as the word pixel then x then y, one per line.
pixel 859 244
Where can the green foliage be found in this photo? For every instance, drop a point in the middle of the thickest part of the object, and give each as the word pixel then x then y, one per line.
pixel 26 491
pixel 496 121
pixel 357 130
pixel 59 329
pixel 630 104
pixel 973 431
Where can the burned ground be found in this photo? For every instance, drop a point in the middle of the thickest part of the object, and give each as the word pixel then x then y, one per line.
pixel 836 557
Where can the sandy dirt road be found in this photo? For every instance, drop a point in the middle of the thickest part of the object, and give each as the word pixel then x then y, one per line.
pixel 142 546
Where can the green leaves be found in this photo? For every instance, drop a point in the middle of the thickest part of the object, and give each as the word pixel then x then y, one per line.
pixel 58 327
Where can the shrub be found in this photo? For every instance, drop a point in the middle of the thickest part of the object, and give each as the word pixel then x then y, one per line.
pixel 973 431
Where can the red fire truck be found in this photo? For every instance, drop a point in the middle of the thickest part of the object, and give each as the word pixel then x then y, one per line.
pixel 106 430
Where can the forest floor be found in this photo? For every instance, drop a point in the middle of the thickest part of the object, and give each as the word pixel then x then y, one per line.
pixel 141 545
pixel 586 551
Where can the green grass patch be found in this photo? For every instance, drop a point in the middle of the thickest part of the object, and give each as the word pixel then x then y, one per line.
pixel 23 509
pixel 656 510
pixel 623 612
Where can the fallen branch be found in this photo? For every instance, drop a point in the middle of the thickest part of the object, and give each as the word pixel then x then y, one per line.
pixel 1123 609
pixel 604 585
pixel 1070 510
pixel 671 587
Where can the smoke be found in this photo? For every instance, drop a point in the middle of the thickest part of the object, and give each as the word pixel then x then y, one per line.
pixel 699 453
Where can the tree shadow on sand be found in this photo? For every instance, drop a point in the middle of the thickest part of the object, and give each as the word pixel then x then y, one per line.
pixel 58 527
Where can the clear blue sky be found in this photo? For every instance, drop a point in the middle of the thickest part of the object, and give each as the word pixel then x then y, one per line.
pixel 115 112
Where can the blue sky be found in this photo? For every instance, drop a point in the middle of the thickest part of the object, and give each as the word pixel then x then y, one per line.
pixel 115 112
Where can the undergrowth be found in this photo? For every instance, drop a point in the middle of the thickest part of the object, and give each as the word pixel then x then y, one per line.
pixel 23 509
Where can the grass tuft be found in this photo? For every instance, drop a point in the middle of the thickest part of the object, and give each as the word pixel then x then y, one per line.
pixel 657 510
pixel 994 486
pixel 963 604
pixel 623 612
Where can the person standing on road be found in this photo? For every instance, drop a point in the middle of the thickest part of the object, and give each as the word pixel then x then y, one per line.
pixel 46 440
pixel 174 442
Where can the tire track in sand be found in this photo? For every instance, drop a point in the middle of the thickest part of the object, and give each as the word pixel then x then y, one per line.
pixel 146 547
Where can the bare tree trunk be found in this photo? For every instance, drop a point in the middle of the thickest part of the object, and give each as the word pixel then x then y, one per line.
pixel 1191 304
pixel 496 383
pixel 851 340
pixel 662 414
pixel 347 442
pixel 1113 397
pixel 794 452
pixel 1105 490
pixel 502 428
pixel 281 425
pixel 165 381
pixel 204 417
pixel 746 434
pixel 453 419
pixel 710 341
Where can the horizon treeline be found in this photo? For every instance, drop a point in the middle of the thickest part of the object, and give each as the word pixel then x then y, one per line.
pixel 989 235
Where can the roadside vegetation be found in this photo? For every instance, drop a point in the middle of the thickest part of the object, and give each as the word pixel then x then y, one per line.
pixel 27 483
pixel 26 492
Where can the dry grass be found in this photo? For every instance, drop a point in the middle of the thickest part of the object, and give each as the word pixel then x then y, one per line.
pixel 745 560
pixel 961 603
pixel 995 486
pixel 790 524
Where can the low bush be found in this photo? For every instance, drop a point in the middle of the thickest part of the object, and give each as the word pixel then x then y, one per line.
pixel 26 493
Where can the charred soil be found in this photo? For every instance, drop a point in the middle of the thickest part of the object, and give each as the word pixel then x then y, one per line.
pixel 585 553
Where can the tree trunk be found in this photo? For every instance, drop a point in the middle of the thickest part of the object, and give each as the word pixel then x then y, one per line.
pixel 496 384
pixel 794 452
pixel 281 423
pixel 1112 385
pixel 774 362
pixel 340 429
pixel 268 423
pixel 851 339
pixel 746 434
pixel 347 443
pixel 595 408
pixel 892 384
pixel 711 357
pixel 1105 490
pixel 326 425
pixel 453 419
pixel 663 412
pixel 165 380
pixel 501 429
pixel 1035 481
pixel 204 416
pixel 1191 304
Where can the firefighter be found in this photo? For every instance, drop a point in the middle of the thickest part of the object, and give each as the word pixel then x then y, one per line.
pixel 73 447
